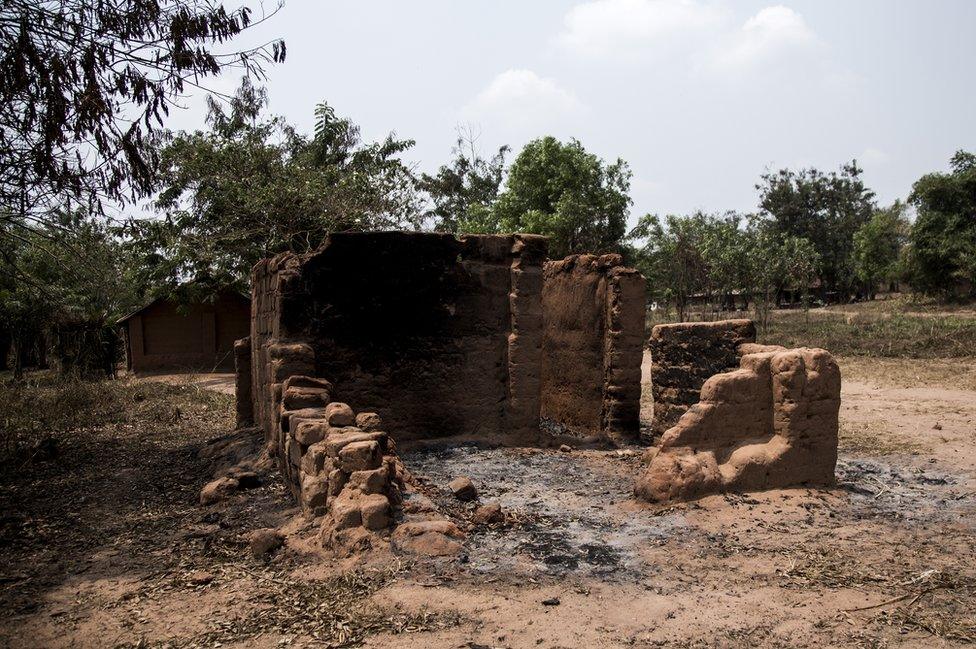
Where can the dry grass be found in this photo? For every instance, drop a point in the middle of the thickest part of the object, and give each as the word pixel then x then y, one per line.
pixel 936 602
pixel 332 612
pixel 907 305
pixel 939 611
pixel 826 567
pixel 46 410
pixel 897 336
pixel 874 438
pixel 120 478
pixel 894 328
pixel 948 373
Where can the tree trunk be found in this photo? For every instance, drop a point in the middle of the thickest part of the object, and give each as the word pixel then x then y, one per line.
pixel 4 350
pixel 40 351
pixel 18 357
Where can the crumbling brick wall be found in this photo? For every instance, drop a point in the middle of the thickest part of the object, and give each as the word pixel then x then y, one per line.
pixel 685 355
pixel 269 281
pixel 593 339
pixel 439 334
pixel 771 423
pixel 242 383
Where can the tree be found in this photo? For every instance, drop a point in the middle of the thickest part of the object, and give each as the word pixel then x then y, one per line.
pixel 68 283
pixel 562 191
pixel 878 246
pixel 251 187
pixel 942 250
pixel 826 210
pixel 711 254
pixel 83 84
pixel 723 244
pixel 464 191
pixel 772 262
pixel 672 258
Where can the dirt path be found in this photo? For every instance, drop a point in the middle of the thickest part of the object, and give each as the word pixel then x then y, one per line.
pixel 216 381
pixel 935 423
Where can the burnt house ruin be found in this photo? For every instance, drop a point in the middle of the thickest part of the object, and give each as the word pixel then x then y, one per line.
pixel 438 339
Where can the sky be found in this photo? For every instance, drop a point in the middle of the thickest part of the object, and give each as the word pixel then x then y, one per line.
pixel 700 97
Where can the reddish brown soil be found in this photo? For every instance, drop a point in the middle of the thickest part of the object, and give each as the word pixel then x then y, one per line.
pixel 116 565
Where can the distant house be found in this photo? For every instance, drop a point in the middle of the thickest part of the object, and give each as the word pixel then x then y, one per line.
pixel 166 336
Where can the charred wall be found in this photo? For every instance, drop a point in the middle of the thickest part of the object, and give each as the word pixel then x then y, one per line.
pixel 686 354
pixel 439 334
pixel 593 338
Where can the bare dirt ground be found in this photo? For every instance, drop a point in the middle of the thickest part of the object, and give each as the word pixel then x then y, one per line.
pixel 221 382
pixel 104 545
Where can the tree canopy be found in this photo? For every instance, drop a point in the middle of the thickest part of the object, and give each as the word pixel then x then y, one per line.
pixel 67 284
pixel 463 191
pixel 252 186
pixel 878 246
pixel 826 209
pixel 84 83
pixel 552 188
pixel 718 257
pixel 942 257
pixel 561 190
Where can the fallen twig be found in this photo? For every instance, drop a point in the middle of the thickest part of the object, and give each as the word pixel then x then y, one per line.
pixel 893 600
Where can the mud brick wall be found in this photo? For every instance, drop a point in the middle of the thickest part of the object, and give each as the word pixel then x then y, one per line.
pixel 439 334
pixel 268 277
pixel 771 423
pixel 593 340
pixel 242 383
pixel 685 355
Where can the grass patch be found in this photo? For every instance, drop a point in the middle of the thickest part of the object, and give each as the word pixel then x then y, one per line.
pixel 907 305
pixel 895 328
pixel 45 409
pixel 949 373
pixel 895 336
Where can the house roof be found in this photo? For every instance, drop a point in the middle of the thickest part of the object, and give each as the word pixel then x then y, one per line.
pixel 159 300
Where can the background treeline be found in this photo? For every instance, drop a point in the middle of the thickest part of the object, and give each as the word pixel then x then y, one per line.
pixel 85 89
pixel 251 185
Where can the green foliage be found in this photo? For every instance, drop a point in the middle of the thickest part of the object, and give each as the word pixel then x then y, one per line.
pixel 251 187
pixel 773 262
pixel 69 280
pixel 672 258
pixel 942 254
pixel 83 83
pixel 562 191
pixel 84 86
pixel 464 191
pixel 825 209
pixel 878 246
pixel 720 256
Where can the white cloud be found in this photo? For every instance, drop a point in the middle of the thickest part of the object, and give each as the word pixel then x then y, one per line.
pixel 627 29
pixel 521 98
pixel 770 35
pixel 872 157
pixel 689 35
